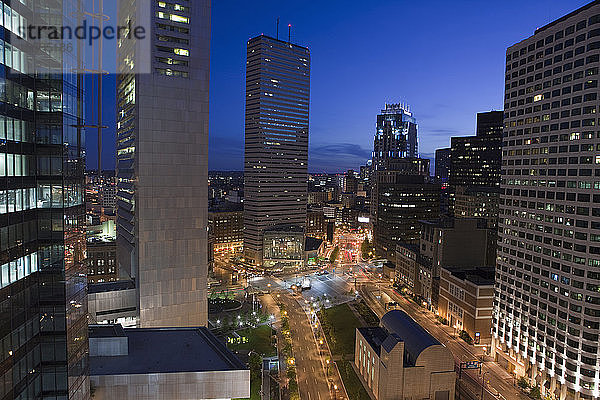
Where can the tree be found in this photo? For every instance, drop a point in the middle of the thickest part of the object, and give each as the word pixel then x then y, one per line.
pixel 255 364
pixel 366 248
pixel 334 254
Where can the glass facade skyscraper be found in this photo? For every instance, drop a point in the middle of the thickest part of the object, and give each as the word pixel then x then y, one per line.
pixel 43 309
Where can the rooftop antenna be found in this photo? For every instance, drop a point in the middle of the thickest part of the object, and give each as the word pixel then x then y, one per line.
pixel 277 28
pixel 289 33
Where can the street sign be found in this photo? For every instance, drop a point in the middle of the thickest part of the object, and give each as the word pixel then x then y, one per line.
pixel 473 364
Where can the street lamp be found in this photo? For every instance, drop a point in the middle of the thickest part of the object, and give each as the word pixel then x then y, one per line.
pixel 483 383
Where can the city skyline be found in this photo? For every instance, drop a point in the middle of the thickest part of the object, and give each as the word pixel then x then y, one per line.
pixel 443 108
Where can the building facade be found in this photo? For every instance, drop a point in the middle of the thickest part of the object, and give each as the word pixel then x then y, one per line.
pixel 442 164
pixel 475 160
pixel 226 228
pixel 547 309
pixel 400 360
pixel 283 247
pixel 102 261
pixel 162 162
pixel 403 196
pixel 477 202
pixel 395 136
pixel 43 317
pixel 276 139
pixel 466 300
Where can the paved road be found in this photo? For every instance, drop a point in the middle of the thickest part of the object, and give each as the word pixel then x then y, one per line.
pixel 496 378
pixel 312 382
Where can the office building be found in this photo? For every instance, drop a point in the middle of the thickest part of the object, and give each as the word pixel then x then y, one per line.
pixel 43 317
pixel 226 227
pixel 350 182
pixel 442 164
pixel 477 202
pixel 395 135
pixel 101 260
pixel 475 160
pixel 403 196
pixel 315 222
pixel 443 242
pixel 162 155
pixel 276 147
pixel 547 308
pixel 466 300
pixel 401 360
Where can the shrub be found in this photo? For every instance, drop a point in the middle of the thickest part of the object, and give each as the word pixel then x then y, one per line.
pixel 523 383
pixel 466 337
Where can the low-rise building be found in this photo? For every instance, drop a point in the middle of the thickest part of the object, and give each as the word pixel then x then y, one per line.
pixel 414 272
pixel 315 222
pixel 102 260
pixel 401 360
pixel 467 300
pixel 113 303
pixel 283 247
pixel 226 227
pixel 313 249
pixel 163 363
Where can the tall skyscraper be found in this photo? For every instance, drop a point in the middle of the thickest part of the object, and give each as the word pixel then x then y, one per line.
pixel 276 149
pixel 396 135
pixel 162 170
pixel 547 307
pixel 475 160
pixel 43 303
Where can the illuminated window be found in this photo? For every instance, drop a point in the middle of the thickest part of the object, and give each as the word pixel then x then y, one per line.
pixel 181 52
pixel 179 18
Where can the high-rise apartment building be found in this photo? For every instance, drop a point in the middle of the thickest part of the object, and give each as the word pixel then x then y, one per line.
pixel 162 170
pixel 276 149
pixel 475 160
pixel 395 136
pixel 43 303
pixel 547 306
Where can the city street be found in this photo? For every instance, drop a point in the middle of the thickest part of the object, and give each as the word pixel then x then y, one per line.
pixel 497 380
pixel 312 382
pixel 340 284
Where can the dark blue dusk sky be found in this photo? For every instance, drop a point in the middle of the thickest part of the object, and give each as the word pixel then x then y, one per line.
pixel 444 58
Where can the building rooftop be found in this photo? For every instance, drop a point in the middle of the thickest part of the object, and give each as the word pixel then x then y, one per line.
pixel 375 336
pixel 565 17
pixel 415 338
pixel 311 243
pixel 480 276
pixel 225 206
pixel 163 350
pixel 110 286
